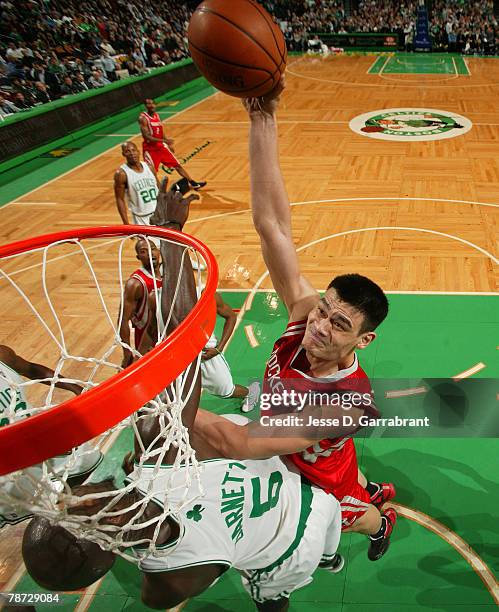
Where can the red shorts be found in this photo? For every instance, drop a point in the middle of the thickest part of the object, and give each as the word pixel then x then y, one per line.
pixel 337 473
pixel 160 155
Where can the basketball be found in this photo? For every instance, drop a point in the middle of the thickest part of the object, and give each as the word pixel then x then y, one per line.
pixel 237 47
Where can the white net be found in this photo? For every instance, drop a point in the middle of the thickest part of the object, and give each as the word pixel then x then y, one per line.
pixel 70 318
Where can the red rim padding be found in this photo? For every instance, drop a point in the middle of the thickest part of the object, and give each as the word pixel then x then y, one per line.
pixel 58 429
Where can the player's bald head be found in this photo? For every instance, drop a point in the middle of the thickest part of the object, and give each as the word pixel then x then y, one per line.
pixel 128 145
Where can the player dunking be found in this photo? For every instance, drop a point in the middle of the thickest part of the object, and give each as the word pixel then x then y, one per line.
pixel 156 147
pixel 316 352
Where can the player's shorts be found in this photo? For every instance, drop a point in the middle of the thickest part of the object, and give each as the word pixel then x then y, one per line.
pixel 338 474
pixel 141 219
pixel 354 505
pixel 216 377
pixel 295 567
pixel 160 155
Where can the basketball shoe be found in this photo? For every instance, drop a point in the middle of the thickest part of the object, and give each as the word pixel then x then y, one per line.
pixel 381 541
pixel 334 565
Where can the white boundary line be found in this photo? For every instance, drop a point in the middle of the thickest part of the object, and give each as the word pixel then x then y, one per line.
pixel 455 67
pixel 249 299
pixel 336 200
pixel 59 176
pixel 461 546
pixel 393 81
pixel 380 73
pixel 467 65
pixel 469 372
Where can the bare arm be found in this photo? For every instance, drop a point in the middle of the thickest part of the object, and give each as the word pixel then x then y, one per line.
pixel 34 371
pixel 119 194
pixel 168 589
pixel 131 297
pixel 261 439
pixel 271 210
pixel 225 311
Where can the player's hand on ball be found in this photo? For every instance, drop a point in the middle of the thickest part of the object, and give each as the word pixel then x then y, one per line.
pixel 266 105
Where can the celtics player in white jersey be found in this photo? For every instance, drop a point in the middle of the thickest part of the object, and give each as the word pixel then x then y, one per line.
pixel 258 516
pixel 135 187
pixel 13 399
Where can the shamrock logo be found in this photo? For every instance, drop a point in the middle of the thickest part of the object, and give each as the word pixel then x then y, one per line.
pixel 195 513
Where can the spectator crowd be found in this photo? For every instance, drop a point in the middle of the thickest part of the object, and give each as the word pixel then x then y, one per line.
pixel 464 27
pixel 455 25
pixel 55 48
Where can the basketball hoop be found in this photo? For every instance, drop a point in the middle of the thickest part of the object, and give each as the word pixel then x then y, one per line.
pixel 59 428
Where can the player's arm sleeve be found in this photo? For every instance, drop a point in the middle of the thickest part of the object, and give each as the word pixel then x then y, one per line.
pixel 272 218
pixel 119 195
pixel 162 590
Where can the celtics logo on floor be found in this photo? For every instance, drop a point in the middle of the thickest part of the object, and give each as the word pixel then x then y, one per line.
pixel 410 124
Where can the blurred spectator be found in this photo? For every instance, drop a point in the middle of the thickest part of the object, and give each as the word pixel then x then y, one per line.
pixel 41 93
pixel 98 79
pixel 79 82
pixel 67 87
pixel 7 107
pixel 140 68
pixel 108 65
pixel 21 102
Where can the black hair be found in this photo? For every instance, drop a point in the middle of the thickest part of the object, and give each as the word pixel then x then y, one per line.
pixel 363 294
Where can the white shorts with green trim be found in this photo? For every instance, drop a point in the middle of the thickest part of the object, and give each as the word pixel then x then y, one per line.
pixel 216 377
pixel 294 569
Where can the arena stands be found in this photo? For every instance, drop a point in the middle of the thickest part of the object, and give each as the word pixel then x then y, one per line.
pixel 465 27
pixel 62 47
pixel 54 49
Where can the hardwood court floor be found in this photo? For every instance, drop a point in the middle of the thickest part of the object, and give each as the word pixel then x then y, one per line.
pixel 414 216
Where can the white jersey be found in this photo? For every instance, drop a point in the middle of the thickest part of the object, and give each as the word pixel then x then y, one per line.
pixel 141 190
pixel 12 396
pixel 253 515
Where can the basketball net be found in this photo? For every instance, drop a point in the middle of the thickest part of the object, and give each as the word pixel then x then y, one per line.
pixel 45 489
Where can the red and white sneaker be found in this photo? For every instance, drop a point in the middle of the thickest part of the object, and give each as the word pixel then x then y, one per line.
pixel 385 492
pixel 378 546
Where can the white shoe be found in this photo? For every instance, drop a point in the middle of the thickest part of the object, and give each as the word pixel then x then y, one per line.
pixel 252 398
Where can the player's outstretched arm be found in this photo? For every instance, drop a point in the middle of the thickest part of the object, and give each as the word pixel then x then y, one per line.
pixel 268 438
pixel 34 371
pixel 271 210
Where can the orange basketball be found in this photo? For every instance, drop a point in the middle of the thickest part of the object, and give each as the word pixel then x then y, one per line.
pixel 237 46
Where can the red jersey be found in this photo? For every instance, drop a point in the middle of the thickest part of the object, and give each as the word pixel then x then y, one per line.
pixel 155 128
pixel 140 317
pixel 331 463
